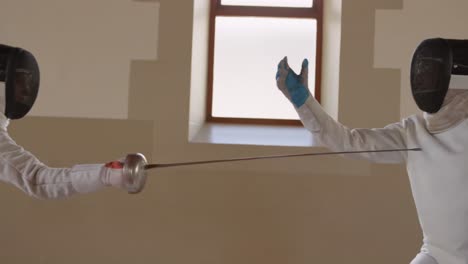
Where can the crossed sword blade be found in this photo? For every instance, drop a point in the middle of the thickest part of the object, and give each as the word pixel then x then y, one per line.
pixel 167 165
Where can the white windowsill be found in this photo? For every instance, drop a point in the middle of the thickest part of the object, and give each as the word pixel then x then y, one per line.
pixel 290 136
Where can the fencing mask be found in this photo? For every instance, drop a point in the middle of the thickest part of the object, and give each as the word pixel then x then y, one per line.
pixel 433 64
pixel 19 72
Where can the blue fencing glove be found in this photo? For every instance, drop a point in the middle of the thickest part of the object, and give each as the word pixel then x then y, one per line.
pixel 293 86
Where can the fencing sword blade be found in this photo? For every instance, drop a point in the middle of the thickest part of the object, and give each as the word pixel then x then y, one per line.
pixel 166 165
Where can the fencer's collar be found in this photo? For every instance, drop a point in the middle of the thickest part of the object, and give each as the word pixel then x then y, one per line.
pixel 4 122
pixel 458 82
pixel 453 111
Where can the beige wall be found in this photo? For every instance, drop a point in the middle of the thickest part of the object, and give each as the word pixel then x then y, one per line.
pixel 84 49
pixel 322 210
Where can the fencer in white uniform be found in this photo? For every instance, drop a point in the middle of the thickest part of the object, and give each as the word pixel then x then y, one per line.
pixel 438 174
pixel 19 84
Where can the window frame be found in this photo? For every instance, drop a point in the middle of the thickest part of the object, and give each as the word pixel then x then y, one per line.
pixel 217 9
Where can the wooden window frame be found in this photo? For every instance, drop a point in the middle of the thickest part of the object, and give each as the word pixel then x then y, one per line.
pixel 217 9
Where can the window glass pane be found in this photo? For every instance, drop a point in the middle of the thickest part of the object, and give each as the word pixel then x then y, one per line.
pixel 247 52
pixel 282 3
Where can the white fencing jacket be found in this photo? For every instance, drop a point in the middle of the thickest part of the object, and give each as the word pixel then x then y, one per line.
pixel 22 169
pixel 438 174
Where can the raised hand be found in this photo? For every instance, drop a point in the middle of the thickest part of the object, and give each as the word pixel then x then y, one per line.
pixel 293 86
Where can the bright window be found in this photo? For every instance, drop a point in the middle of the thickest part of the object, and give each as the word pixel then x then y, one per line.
pixel 282 3
pixel 247 42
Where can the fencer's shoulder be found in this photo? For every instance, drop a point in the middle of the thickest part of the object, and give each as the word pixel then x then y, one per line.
pixel 407 123
pixel 413 121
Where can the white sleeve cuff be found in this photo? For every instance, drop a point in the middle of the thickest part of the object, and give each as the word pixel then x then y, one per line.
pixel 86 178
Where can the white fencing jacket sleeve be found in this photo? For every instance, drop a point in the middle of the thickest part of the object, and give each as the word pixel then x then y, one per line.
pixel 22 169
pixel 337 137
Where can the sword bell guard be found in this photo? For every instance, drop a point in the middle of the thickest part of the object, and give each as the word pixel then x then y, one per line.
pixel 134 172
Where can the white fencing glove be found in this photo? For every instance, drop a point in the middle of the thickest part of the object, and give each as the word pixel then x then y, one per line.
pixel 113 174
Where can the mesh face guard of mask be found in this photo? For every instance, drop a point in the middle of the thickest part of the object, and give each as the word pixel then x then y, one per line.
pixel 433 64
pixel 20 73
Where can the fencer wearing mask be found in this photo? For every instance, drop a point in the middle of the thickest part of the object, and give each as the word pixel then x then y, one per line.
pixel 438 174
pixel 19 86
